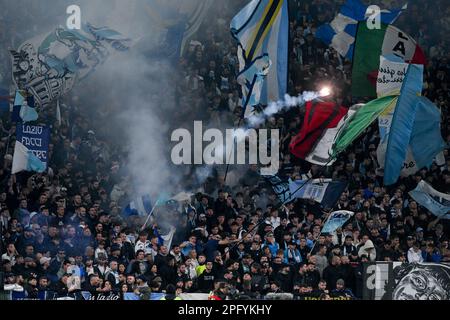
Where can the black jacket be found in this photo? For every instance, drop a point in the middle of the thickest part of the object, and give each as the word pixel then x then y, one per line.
pixel 332 274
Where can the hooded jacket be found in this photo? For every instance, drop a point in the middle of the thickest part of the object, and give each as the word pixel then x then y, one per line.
pixel 365 249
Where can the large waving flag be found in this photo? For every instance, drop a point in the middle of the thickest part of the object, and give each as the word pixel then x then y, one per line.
pixel 415 125
pixel 319 117
pixel 336 220
pixel 436 202
pixel 350 35
pixel 48 66
pixel 340 34
pixel 326 192
pixel 25 160
pixel 31 149
pixel 262 28
pixel 280 187
pixel 370 45
pixel 356 124
pixel 322 152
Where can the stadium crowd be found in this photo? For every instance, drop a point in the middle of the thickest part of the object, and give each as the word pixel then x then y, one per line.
pixel 68 221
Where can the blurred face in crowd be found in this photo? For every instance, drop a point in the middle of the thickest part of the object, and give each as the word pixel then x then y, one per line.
pixel 322 285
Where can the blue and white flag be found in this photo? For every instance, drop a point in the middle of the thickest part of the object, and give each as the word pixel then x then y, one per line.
pixel 336 220
pixel 262 28
pixel 141 206
pixel 24 109
pixel 326 192
pixel 415 126
pixel 280 187
pixel 340 33
pixel 166 239
pixel 436 202
pixel 31 149
pixel 252 81
pixel 48 66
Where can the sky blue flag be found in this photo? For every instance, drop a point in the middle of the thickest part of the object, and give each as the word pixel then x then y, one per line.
pixel 24 108
pixel 336 220
pixel 262 28
pixel 426 139
pixel 34 163
pixel 280 187
pixel 436 202
pixel 341 32
pixel 402 124
pixel 130 296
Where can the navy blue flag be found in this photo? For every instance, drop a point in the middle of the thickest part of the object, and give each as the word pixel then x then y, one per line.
pixel 326 192
pixel 36 139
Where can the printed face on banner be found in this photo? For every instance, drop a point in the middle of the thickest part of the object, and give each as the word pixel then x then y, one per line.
pixel 407 281
pixel 423 283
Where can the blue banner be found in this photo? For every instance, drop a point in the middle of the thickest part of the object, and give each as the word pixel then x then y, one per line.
pixel 336 220
pixel 36 139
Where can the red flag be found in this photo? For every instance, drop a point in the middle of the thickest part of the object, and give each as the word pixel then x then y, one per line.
pixel 319 116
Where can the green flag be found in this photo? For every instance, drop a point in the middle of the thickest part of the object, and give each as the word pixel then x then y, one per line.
pixel 370 44
pixel 355 125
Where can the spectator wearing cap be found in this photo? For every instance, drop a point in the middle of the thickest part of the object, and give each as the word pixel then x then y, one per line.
pixel 341 291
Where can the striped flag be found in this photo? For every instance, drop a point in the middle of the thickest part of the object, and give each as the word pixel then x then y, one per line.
pixel 319 117
pixel 370 45
pixel 355 125
pixel 415 126
pixel 262 28
pixel 340 33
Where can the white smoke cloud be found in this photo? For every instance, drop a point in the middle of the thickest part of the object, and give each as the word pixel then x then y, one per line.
pixel 289 102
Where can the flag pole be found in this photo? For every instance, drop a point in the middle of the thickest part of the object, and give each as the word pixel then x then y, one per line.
pixel 149 215
pixel 231 152
pixel 325 223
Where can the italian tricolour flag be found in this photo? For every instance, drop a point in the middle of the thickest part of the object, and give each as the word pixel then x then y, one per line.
pixel 370 45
